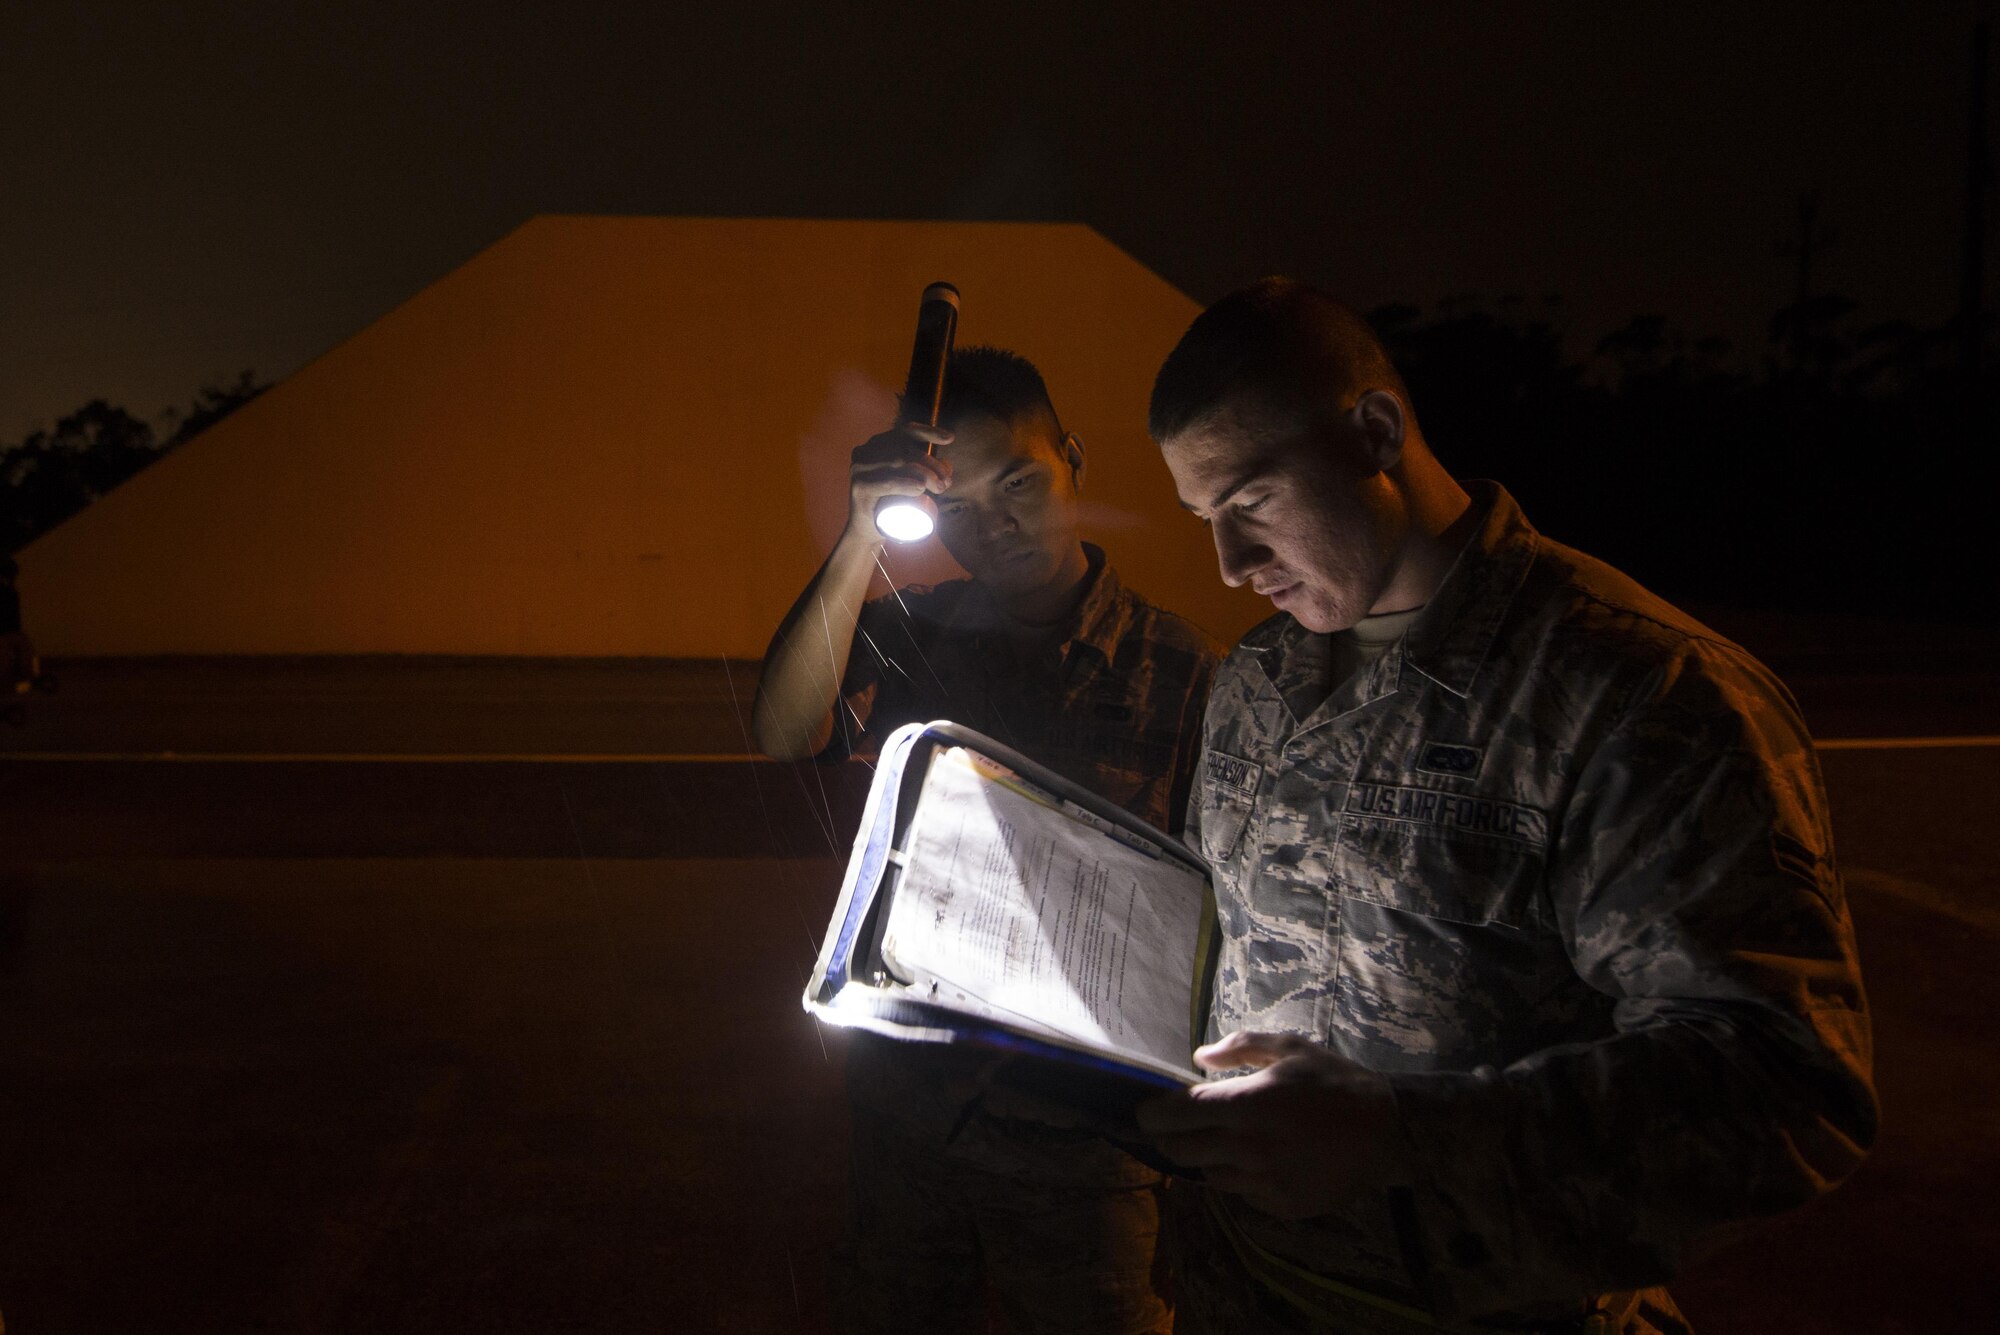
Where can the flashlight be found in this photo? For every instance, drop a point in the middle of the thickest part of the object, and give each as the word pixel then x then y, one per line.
pixel 911 518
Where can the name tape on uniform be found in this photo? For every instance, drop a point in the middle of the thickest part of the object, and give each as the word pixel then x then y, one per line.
pixel 1456 812
pixel 1231 772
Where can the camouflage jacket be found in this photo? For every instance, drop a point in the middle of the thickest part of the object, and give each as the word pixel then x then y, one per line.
pixel 1116 706
pixel 1559 863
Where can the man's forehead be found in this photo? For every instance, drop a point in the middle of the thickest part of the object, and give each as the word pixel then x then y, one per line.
pixel 980 440
pixel 1212 450
pixel 1224 452
pixel 1262 414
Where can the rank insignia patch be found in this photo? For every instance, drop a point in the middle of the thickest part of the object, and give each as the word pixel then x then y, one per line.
pixel 1459 762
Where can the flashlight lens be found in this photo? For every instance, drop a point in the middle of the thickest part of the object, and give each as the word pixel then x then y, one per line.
pixel 904 522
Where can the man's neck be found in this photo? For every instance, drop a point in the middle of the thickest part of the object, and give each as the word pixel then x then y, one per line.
pixel 1045 609
pixel 1442 519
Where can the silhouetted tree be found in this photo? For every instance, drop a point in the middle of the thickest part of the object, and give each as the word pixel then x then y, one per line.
pixel 52 474
pixel 211 404
pixel 1833 472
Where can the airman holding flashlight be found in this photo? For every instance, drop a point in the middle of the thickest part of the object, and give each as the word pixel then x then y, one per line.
pixel 958 1193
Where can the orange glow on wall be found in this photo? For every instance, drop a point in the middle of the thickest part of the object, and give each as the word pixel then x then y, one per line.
pixel 612 436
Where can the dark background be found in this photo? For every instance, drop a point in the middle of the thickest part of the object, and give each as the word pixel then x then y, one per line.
pixel 1588 217
pixel 381 995
pixel 212 185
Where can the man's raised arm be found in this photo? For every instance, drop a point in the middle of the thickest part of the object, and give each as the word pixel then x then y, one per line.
pixel 792 718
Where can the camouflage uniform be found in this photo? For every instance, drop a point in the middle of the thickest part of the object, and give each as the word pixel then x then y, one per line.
pixel 1558 863
pixel 948 1196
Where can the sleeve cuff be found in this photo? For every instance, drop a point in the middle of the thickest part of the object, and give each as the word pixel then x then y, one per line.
pixel 1459 1220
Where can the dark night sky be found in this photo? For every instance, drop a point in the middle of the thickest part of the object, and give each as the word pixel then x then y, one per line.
pixel 199 188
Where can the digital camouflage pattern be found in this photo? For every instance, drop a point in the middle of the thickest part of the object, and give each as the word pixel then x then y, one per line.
pixel 1559 863
pixel 948 1193
pixel 1116 706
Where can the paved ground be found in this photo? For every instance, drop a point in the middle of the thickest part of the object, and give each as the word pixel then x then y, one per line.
pixel 414 1095
pixel 248 1085
pixel 1853 679
pixel 395 706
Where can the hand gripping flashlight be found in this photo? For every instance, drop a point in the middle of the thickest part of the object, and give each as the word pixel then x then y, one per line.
pixel 911 518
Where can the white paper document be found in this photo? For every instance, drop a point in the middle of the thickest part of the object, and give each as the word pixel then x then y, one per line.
pixel 1026 910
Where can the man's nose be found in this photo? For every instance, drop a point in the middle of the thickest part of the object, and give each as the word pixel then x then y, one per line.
pixel 998 522
pixel 1238 558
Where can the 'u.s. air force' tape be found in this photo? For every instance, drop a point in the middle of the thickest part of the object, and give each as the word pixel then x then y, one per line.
pixel 1454 812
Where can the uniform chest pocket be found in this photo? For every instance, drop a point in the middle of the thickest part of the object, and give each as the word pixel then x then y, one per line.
pixel 1454 877
pixel 1228 792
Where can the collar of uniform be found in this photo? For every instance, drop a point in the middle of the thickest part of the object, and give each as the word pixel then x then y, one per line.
pixel 1295 662
pixel 1101 618
pixel 1450 641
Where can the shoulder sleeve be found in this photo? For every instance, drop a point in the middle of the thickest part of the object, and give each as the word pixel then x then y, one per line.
pixel 1189 742
pixel 1692 882
pixel 873 691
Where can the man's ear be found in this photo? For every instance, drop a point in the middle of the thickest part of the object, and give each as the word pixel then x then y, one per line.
pixel 1072 454
pixel 1383 425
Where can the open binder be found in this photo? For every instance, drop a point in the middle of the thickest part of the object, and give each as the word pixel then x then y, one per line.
pixel 989 901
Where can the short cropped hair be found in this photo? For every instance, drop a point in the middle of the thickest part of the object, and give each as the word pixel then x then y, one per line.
pixel 1282 343
pixel 993 382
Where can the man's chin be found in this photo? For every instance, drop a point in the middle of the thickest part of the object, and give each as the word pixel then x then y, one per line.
pixel 1310 613
pixel 1022 576
pixel 1293 601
